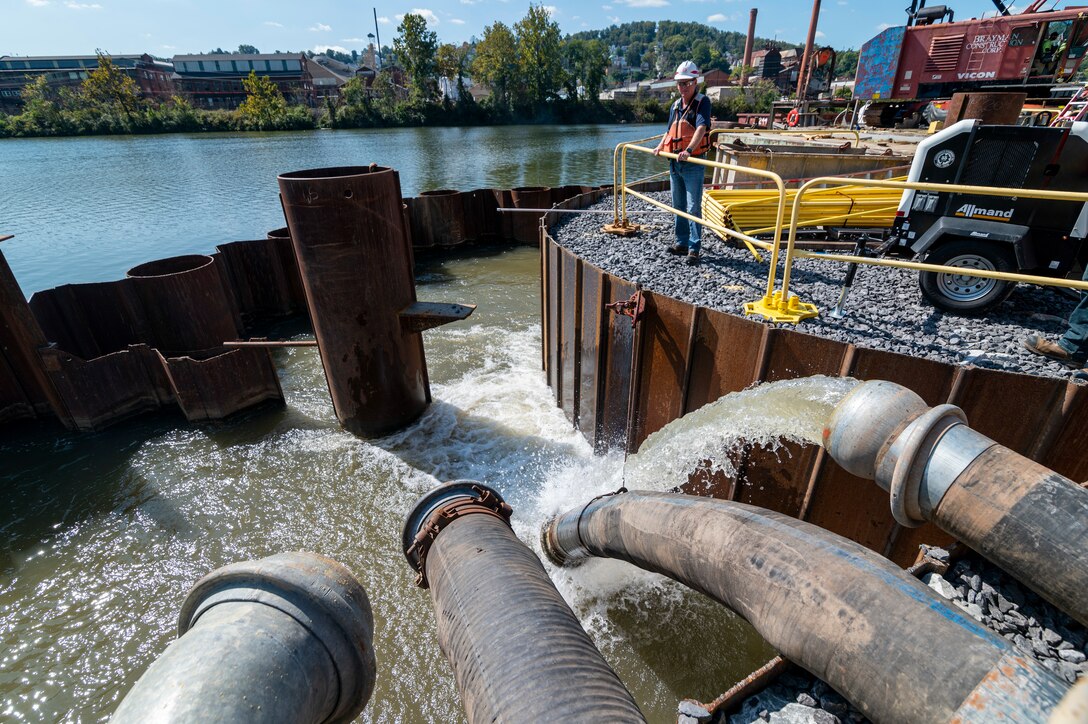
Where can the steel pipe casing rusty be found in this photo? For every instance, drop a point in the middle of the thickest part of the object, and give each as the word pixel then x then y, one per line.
pixel 286 638
pixel 1027 519
pixel 880 637
pixel 517 650
pixel 348 230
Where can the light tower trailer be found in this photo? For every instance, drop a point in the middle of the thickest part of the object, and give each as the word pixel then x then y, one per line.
pixel 995 233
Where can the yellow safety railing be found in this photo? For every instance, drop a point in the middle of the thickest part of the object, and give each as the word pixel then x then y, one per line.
pixel 781 299
pixel 620 208
pixel 787 131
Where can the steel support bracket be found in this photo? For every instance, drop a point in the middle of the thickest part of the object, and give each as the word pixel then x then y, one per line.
pixel 773 308
pixel 622 228
pixel 634 307
pixel 421 316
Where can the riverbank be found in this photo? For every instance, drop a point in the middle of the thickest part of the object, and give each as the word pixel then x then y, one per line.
pixel 54 118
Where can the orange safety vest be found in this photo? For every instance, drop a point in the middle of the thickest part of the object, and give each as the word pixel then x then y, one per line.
pixel 682 130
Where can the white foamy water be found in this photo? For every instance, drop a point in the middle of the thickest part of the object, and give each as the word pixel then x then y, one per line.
pixel 766 415
pixel 106 533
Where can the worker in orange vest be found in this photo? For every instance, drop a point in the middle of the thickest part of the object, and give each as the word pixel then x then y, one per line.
pixel 688 136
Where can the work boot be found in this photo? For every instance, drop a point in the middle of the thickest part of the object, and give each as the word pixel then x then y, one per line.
pixel 1081 375
pixel 1050 350
pixel 692 258
pixel 678 249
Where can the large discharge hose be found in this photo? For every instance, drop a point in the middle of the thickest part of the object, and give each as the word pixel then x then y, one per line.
pixel 880 637
pixel 518 652
pixel 287 638
pixel 1027 519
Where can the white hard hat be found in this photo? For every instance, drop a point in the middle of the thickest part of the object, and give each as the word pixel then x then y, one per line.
pixel 686 71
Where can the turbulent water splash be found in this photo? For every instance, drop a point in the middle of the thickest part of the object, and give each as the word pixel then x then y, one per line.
pixel 766 415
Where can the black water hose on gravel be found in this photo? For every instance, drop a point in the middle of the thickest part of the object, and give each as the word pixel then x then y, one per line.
pixel 880 637
pixel 518 652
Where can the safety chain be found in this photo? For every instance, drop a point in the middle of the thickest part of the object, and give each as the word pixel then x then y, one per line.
pixel 486 504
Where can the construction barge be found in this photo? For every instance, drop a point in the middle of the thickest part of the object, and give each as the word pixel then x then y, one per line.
pixel 623 361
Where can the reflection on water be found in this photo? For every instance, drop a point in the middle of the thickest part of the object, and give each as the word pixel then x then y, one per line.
pixel 88 209
pixel 105 533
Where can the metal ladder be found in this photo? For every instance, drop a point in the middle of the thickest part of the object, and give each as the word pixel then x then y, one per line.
pixel 1075 110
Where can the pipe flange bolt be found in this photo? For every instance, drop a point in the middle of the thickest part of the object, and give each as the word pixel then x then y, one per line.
pixel 440 507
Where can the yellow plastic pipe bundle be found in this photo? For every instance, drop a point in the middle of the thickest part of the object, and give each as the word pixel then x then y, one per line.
pixel 752 211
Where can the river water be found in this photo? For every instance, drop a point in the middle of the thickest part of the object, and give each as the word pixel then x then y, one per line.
pixel 101 535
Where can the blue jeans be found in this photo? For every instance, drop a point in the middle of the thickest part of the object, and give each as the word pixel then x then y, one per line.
pixel 687 195
pixel 1075 341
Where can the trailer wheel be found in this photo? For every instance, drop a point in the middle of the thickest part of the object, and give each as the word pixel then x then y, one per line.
pixel 963 292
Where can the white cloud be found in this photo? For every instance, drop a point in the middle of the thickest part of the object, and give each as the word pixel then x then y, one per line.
pixel 643 3
pixel 383 20
pixel 354 40
pixel 884 26
pixel 614 19
pixel 325 48
pixel 550 9
pixel 457 21
pixel 470 2
pixel 320 28
pixel 606 7
pixel 821 34
pixel 82 6
pixel 169 47
pixel 426 14
pixel 273 24
pixel 717 18
pixel 37 3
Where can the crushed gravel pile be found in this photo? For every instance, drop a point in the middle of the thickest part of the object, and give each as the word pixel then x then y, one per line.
pixel 885 309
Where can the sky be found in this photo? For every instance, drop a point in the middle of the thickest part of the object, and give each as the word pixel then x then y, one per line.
pixel 177 27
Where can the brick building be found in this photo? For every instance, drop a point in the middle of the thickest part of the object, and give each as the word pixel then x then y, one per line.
pixel 151 76
pixel 215 81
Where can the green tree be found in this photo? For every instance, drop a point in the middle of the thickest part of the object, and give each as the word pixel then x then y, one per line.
pixel 41 107
pixel 416 48
pixel 586 61
pixel 452 61
pixel 109 89
pixel 264 106
pixel 354 92
pixel 496 63
pixel 247 50
pixel 539 56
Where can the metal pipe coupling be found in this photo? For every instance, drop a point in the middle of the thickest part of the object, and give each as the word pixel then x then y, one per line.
pixel 885 432
pixel 440 507
pixel 285 638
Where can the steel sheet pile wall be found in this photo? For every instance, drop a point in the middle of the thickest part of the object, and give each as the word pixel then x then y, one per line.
pixel 618 384
pixel 152 339
pixel 263 276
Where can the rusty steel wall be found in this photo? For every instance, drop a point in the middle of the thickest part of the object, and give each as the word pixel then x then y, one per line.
pixel 263 277
pixel 216 384
pixel 619 384
pixel 26 393
pixel 437 219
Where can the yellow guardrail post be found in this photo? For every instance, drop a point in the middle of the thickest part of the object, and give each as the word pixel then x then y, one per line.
pixel 620 225
pixel 792 253
pixel 748 240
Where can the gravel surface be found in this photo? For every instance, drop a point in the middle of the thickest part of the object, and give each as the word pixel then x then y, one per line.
pixel 885 309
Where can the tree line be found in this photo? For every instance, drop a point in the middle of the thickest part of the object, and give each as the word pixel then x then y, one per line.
pixel 534 74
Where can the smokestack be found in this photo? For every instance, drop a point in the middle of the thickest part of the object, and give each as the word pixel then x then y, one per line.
pixel 747 62
pixel 806 59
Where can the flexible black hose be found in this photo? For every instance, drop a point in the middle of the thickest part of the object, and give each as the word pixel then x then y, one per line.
pixel 518 652
pixel 1027 519
pixel 880 637
pixel 288 638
